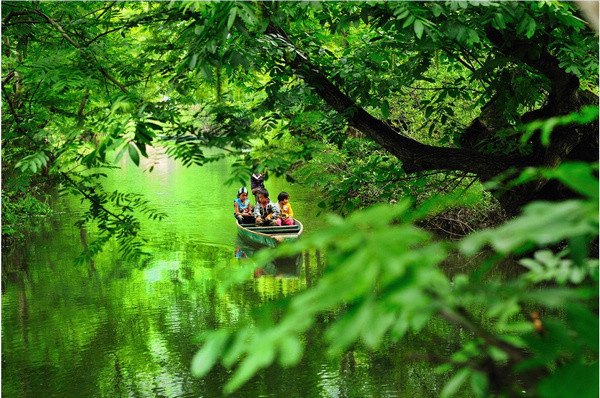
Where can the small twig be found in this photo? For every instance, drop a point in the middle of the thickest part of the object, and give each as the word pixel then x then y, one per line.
pixel 23 22
pixel 457 183
pixel 103 34
pixel 469 53
pixel 464 63
pixel 106 9
pixel 33 95
pixel 469 186
pixel 80 113
pixel 84 54
pixel 452 181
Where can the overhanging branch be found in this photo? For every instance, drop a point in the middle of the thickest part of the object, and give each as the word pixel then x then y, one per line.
pixel 414 155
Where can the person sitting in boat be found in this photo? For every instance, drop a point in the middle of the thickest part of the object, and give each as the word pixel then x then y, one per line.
pixel 265 211
pixel 243 209
pixel 286 214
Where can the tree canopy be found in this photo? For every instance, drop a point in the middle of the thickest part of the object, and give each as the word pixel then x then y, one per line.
pixel 440 86
pixel 369 101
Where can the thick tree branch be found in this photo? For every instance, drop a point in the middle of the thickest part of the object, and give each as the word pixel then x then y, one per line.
pixel 415 156
pixel 565 97
pixel 59 28
pixel 13 14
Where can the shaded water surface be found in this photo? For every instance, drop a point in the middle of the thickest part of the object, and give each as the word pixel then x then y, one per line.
pixel 128 329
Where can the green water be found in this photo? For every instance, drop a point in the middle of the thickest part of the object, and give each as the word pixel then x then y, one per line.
pixel 129 329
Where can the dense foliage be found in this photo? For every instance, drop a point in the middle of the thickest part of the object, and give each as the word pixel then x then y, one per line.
pixel 385 280
pixel 369 102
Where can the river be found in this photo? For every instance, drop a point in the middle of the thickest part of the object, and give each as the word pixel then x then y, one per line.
pixel 130 329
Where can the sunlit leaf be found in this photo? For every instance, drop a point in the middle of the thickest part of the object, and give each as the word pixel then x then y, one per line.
pixel 418 27
pixel 210 353
pixel 454 384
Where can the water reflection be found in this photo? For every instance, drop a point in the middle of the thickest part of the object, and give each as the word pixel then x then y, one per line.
pixel 282 268
pixel 129 329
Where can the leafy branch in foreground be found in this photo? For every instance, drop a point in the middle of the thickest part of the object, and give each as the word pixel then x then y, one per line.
pixel 121 223
pixel 384 279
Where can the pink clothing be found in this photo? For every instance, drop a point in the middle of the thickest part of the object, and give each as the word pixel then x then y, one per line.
pixel 287 221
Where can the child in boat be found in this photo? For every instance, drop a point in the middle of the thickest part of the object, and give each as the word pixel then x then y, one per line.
pixel 286 215
pixel 265 211
pixel 243 209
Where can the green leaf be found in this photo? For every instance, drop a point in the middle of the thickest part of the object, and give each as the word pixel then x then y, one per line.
pixel 441 369
pixel 133 154
pixel 572 380
pixel 231 19
pixel 193 61
pixel 408 22
pixel 530 29
pixel 585 115
pixel 585 323
pixel 542 223
pixel 554 297
pixel 578 249
pixel 473 36
pixel 578 176
pixel 240 343
pixel 120 155
pixel 418 27
pixel 259 357
pixel 401 12
pixel 429 111
pixel 291 351
pixel 454 384
pixel 364 15
pixel 385 109
pixel 207 71
pixel 499 18
pixel 479 384
pixel 208 355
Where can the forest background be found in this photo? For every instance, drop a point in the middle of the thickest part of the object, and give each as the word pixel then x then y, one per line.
pixel 409 118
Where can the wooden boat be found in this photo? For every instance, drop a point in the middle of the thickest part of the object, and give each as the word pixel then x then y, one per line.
pixel 270 236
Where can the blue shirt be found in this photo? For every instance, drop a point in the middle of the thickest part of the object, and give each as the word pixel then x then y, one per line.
pixel 242 206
